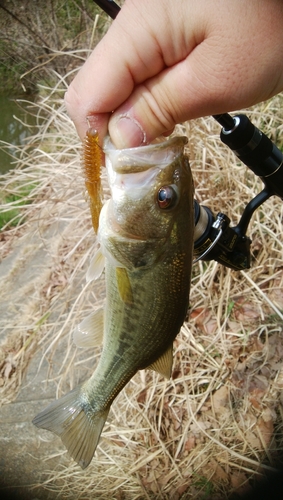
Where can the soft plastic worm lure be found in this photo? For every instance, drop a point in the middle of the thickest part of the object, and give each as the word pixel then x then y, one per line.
pixel 91 163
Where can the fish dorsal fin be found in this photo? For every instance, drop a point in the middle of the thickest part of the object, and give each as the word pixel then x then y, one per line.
pixel 89 333
pixel 124 285
pixel 163 364
pixel 96 266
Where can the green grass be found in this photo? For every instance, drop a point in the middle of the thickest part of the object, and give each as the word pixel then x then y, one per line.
pixel 205 486
pixel 12 204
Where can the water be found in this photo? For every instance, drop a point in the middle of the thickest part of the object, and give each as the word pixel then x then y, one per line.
pixel 12 130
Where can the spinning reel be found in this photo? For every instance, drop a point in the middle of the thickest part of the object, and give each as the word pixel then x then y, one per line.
pixel 214 238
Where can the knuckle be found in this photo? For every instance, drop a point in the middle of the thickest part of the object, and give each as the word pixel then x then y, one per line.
pixel 161 107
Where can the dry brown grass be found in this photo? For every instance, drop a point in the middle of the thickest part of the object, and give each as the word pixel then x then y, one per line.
pixel 217 422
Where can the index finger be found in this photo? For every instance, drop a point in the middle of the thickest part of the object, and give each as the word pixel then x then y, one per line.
pixel 127 55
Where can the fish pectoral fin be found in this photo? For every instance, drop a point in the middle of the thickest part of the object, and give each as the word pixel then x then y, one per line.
pixel 96 266
pixel 163 364
pixel 124 285
pixel 79 431
pixel 89 333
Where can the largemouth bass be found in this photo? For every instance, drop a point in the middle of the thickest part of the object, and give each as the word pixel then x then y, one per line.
pixel 146 234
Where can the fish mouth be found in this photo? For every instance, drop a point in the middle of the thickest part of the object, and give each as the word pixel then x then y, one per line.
pixel 142 158
pixel 135 177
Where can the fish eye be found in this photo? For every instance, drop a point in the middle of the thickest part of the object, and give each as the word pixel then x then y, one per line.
pixel 167 197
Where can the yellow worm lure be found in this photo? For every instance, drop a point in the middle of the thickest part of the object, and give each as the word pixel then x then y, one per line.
pixel 91 163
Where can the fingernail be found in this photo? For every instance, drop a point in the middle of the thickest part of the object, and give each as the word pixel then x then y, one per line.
pixel 91 121
pixel 126 132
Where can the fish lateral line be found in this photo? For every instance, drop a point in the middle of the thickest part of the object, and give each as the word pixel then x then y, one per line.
pixel 147 285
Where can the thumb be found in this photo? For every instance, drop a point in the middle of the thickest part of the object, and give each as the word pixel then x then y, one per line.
pixel 187 90
pixel 210 80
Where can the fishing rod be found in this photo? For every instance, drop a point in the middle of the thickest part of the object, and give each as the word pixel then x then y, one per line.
pixel 262 156
pixel 110 7
pixel 214 238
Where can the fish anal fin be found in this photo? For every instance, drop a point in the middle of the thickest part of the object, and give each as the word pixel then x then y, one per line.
pixel 89 333
pixel 96 266
pixel 79 430
pixel 163 364
pixel 124 285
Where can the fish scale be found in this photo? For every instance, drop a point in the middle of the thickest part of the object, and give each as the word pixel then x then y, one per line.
pixel 146 241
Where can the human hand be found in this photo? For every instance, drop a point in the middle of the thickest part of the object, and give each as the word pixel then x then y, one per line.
pixel 168 61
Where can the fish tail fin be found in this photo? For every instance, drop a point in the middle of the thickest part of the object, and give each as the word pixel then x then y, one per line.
pixel 78 428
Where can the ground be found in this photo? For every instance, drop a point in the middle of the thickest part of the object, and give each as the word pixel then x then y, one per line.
pixel 216 426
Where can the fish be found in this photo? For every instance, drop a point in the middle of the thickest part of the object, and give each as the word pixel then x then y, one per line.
pixel 145 235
